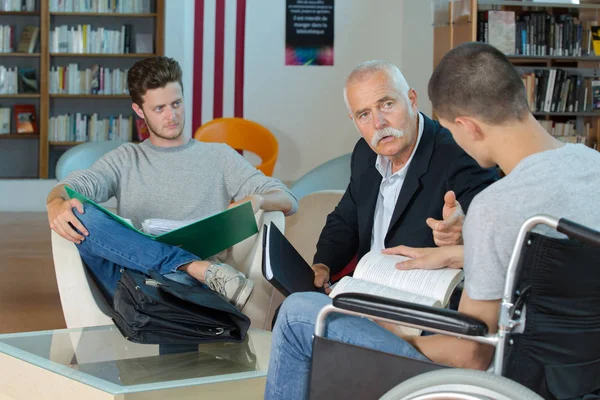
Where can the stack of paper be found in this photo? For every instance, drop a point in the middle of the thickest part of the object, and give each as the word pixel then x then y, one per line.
pixel 157 226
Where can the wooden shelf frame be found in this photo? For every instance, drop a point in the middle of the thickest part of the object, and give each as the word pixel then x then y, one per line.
pixel 21 96
pixel 64 144
pixel 89 96
pixel 526 3
pixel 108 55
pixel 112 15
pixel 21 13
pixel 19 136
pixel 17 54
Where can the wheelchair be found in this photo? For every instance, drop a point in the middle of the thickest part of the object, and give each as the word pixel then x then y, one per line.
pixel 547 344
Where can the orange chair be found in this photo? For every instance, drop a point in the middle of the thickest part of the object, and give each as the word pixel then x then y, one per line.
pixel 242 134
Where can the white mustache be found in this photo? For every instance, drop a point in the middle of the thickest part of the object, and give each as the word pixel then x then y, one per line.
pixel 385 132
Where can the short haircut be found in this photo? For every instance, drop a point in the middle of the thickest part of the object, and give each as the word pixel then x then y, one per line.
pixel 477 80
pixel 366 69
pixel 152 73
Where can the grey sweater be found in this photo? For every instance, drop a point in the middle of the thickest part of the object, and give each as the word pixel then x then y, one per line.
pixel 179 183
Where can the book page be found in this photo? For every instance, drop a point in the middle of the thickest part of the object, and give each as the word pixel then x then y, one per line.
pixel 381 269
pixel 352 285
pixel 267 253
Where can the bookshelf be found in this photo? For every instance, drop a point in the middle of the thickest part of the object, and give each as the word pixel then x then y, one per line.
pixel 35 156
pixel 460 21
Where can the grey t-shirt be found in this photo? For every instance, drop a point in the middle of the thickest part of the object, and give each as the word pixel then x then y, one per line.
pixel 178 183
pixel 563 183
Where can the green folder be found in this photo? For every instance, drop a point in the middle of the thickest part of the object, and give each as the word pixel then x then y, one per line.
pixel 203 238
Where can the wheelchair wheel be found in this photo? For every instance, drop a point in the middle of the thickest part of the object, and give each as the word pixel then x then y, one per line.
pixel 459 384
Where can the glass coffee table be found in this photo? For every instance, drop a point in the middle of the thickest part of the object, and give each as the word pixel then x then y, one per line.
pixel 98 363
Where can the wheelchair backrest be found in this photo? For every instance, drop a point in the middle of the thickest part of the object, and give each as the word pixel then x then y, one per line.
pixel 558 354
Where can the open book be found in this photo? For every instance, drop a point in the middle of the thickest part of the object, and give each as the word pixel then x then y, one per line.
pixel 205 237
pixel 376 274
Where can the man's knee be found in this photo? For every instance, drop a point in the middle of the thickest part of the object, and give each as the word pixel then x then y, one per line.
pixel 302 307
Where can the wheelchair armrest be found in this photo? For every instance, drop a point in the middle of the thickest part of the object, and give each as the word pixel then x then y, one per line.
pixel 579 232
pixel 417 314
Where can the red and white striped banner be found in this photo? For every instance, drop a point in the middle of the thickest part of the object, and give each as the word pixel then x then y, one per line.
pixel 219 39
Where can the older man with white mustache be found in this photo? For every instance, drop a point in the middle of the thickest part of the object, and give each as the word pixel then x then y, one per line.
pixel 409 185
pixel 410 182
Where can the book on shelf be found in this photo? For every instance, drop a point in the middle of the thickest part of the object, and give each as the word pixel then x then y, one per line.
pixel 596 39
pixel 80 127
pixel 96 80
pixel 501 30
pixel 120 7
pixel 17 5
pixel 25 118
pixel 205 237
pixel 28 80
pixel 557 90
pixel 596 94
pixel 83 39
pixel 29 38
pixel 8 80
pixel 7 34
pixel 537 33
pixel 144 43
pixel 4 120
pixel 375 274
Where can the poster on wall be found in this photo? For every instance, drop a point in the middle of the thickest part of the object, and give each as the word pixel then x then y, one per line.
pixel 309 32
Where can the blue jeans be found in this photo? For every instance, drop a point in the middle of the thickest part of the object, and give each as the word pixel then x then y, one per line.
pixel 291 352
pixel 111 246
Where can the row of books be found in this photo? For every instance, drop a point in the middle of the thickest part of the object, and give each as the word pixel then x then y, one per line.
pixel 95 80
pixel 557 90
pixel 27 41
pixel 25 119
pixel 536 33
pixel 101 6
pixel 89 128
pixel 18 80
pixel 7 33
pixel 566 131
pixel 83 39
pixel 17 5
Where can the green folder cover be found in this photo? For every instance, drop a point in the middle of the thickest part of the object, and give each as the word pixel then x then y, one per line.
pixel 203 238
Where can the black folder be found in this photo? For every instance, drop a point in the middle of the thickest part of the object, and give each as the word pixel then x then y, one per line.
pixel 283 266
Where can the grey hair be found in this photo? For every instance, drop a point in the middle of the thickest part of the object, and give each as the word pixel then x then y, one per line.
pixel 368 68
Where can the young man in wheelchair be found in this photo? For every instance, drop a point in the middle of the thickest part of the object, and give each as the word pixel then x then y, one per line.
pixel 480 98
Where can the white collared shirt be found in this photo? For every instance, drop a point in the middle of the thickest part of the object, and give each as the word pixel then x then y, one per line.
pixel 390 187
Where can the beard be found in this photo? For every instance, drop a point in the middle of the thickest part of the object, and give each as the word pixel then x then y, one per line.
pixel 161 131
pixel 385 132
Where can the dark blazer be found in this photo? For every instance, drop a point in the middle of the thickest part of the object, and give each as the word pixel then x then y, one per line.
pixel 438 165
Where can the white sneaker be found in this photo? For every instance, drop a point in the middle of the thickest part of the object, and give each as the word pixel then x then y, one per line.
pixel 230 283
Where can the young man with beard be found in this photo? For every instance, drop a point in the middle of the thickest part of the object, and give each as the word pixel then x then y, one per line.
pixel 408 175
pixel 167 176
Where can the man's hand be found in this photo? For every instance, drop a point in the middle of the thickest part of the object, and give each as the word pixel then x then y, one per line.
pixel 428 257
pixel 62 220
pixel 448 232
pixel 256 199
pixel 322 276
